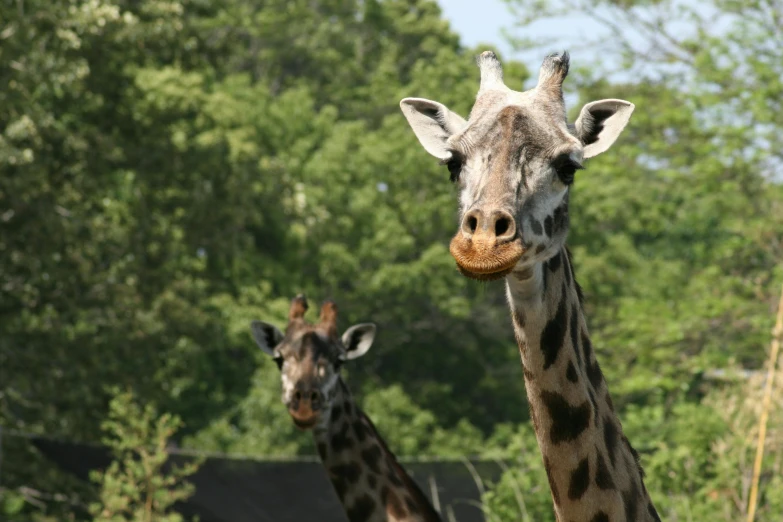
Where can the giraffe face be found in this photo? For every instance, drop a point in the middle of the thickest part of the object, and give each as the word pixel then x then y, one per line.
pixel 514 161
pixel 513 189
pixel 310 357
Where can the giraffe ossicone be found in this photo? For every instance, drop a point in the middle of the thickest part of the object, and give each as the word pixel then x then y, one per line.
pixel 515 159
pixel 369 481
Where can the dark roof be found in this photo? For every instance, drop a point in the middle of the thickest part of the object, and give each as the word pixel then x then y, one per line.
pixel 249 490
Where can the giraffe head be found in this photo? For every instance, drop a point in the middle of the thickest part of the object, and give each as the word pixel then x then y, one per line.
pixel 514 160
pixel 309 357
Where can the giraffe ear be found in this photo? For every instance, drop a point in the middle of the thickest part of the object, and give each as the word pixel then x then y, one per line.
pixel 600 123
pixel 267 337
pixel 357 340
pixel 432 123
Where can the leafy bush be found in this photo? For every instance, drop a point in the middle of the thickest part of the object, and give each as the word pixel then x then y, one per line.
pixel 137 486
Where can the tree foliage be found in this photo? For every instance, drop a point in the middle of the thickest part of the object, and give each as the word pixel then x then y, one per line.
pixel 136 487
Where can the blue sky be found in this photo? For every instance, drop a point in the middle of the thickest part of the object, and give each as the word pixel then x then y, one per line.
pixel 478 22
pixel 588 41
pixel 483 21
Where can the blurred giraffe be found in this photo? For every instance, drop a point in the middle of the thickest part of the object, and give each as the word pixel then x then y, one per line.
pixel 370 483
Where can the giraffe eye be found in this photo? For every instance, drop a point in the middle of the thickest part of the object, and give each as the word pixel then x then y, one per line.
pixel 565 168
pixel 455 165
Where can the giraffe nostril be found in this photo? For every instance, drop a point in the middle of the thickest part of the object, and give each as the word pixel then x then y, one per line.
pixel 297 395
pixel 316 400
pixel 501 226
pixel 471 222
pixel 505 229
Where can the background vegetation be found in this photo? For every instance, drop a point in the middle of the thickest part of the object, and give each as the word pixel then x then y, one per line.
pixel 172 169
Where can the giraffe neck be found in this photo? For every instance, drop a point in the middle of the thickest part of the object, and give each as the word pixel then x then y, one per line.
pixel 594 473
pixel 370 483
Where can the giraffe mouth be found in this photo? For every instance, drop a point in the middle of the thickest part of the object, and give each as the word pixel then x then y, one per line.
pixel 305 424
pixel 485 277
pixel 304 416
pixel 485 259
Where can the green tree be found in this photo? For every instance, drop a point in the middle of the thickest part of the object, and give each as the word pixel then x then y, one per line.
pixel 172 169
pixel 522 493
pixel 136 487
pixel 160 182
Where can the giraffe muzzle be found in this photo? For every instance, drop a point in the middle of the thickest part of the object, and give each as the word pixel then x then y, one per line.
pixel 305 408
pixel 304 417
pixel 482 256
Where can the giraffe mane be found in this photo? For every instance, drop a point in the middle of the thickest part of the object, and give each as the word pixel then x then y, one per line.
pixel 410 484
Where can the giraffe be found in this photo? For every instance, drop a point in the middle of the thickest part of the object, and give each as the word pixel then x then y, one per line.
pixel 370 483
pixel 514 161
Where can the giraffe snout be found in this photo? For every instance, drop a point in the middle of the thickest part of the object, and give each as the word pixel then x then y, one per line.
pixel 497 226
pixel 305 406
pixel 486 245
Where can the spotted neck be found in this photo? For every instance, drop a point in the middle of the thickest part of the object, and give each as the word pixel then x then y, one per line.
pixel 594 473
pixel 370 483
